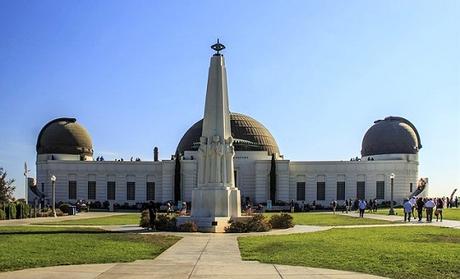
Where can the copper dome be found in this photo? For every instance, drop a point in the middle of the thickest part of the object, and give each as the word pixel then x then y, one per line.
pixel 248 134
pixel 64 136
pixel 393 135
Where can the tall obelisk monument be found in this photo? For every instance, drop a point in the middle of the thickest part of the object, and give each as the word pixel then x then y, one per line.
pixel 216 199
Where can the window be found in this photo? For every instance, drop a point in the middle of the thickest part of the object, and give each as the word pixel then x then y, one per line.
pixel 72 190
pixel 411 187
pixel 235 176
pixel 380 190
pixel 91 190
pixel 43 187
pixel 110 190
pixel 321 191
pixel 150 191
pixel 131 191
pixel 361 190
pixel 300 191
pixel 341 190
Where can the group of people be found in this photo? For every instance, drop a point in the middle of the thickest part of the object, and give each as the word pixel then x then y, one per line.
pixel 430 205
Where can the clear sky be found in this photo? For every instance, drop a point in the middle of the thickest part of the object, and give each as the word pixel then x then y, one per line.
pixel 315 73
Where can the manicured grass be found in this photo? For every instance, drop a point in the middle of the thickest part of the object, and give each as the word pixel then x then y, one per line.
pixel 395 252
pixel 119 219
pixel 447 213
pixel 318 219
pixel 27 247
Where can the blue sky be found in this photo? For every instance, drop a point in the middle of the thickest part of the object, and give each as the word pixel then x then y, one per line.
pixel 315 73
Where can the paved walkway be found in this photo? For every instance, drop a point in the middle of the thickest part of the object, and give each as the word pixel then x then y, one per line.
pixel 194 256
pixel 395 218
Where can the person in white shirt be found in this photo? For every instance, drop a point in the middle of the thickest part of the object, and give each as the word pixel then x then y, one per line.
pixel 429 205
pixel 407 210
pixel 362 207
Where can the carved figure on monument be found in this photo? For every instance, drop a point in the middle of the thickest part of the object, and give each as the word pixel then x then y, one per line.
pixel 202 160
pixel 229 154
pixel 216 157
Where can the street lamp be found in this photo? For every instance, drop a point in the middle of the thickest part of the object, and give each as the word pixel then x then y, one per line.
pixel 392 178
pixel 53 189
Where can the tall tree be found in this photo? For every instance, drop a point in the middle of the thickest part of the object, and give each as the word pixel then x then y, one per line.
pixel 6 187
pixel 273 180
pixel 177 176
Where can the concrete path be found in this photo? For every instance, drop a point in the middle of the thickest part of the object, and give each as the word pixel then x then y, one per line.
pixel 194 256
pixel 395 218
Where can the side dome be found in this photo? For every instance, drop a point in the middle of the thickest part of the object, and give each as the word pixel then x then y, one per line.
pixel 393 135
pixel 64 136
pixel 248 135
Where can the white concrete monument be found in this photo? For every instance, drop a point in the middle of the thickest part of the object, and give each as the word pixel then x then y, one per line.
pixel 216 199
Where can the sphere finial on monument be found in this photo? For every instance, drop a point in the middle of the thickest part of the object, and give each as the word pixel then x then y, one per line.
pixel 218 47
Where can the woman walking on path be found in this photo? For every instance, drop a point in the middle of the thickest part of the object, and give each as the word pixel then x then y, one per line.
pixel 439 206
pixel 362 207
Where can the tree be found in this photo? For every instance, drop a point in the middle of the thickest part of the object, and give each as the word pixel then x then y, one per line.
pixel 6 187
pixel 273 180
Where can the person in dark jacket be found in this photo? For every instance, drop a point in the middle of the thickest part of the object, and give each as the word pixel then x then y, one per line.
pixel 419 204
pixel 152 215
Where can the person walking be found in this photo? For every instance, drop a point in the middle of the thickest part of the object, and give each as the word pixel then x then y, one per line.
pixel 152 216
pixel 419 204
pixel 362 207
pixel 347 206
pixel 334 206
pixel 429 205
pixel 439 207
pixel 412 201
pixel 407 210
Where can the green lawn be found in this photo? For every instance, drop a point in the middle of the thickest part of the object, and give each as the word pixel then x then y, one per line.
pixel 396 252
pixel 119 219
pixel 448 213
pixel 27 247
pixel 318 219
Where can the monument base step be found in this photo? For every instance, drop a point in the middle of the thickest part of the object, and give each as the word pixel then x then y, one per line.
pixel 206 224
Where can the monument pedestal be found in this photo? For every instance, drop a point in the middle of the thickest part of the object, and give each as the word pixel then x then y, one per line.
pixel 214 206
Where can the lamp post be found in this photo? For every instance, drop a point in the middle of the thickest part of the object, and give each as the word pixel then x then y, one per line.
pixel 53 189
pixel 392 211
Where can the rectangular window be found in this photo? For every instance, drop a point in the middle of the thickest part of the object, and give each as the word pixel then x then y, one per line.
pixel 150 191
pixel 341 190
pixel 110 190
pixel 91 190
pixel 43 187
pixel 321 191
pixel 131 191
pixel 411 187
pixel 361 190
pixel 380 190
pixel 72 190
pixel 300 191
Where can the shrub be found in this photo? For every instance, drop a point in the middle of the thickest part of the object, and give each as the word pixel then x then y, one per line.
pixel 283 221
pixel 22 210
pixel 145 219
pixel 106 204
pixel 11 211
pixel 188 227
pixel 64 208
pixel 165 223
pixel 257 223
pixel 2 214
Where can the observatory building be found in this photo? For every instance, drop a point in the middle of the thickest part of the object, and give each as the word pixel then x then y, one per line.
pixel 390 146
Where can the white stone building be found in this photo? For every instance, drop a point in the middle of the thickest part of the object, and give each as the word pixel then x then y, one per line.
pixel 64 149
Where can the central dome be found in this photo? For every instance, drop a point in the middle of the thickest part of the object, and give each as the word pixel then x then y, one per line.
pixel 248 135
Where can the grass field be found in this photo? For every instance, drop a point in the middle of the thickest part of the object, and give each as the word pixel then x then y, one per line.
pixel 448 213
pixel 119 219
pixel 29 246
pixel 396 252
pixel 318 219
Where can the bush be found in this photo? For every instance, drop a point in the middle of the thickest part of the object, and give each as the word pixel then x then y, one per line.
pixel 257 223
pixel 64 208
pixel 165 223
pixel 11 211
pixel 2 214
pixel 106 204
pixel 188 227
pixel 22 210
pixel 145 219
pixel 283 221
